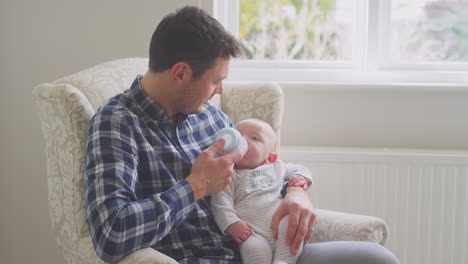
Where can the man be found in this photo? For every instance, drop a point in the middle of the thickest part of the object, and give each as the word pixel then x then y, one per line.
pixel 149 166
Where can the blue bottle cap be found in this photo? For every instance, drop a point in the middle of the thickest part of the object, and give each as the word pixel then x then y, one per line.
pixel 233 139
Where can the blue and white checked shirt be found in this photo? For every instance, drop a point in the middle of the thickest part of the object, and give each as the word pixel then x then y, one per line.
pixel 136 162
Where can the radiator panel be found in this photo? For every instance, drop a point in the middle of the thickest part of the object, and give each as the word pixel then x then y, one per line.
pixel 422 195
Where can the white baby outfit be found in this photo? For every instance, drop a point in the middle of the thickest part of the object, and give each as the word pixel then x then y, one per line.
pixel 253 196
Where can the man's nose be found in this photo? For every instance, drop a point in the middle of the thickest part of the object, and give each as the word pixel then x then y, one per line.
pixel 219 89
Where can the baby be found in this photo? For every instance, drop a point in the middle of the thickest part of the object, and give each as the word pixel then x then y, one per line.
pixel 245 208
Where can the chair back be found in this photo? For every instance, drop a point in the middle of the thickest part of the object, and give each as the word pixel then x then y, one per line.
pixel 65 107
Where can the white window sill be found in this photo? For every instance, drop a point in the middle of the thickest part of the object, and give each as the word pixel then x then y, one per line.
pixel 348 77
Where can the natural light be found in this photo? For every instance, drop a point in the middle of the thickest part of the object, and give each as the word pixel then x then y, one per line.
pixel 379 41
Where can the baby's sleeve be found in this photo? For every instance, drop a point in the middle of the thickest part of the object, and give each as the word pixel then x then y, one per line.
pixel 222 206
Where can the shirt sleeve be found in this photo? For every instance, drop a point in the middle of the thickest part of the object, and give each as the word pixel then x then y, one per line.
pixel 292 169
pixel 119 223
pixel 222 206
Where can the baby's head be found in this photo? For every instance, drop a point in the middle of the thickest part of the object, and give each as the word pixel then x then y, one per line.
pixel 262 143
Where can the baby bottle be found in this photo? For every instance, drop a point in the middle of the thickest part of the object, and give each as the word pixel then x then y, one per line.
pixel 233 140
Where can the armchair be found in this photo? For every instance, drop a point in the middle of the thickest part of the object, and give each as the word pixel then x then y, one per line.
pixel 66 105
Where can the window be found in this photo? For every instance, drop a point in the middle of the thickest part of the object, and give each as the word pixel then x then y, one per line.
pixel 297 30
pixel 429 30
pixel 426 33
pixel 424 41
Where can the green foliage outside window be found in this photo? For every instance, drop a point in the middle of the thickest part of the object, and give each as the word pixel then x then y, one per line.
pixel 320 30
pixel 440 33
pixel 290 29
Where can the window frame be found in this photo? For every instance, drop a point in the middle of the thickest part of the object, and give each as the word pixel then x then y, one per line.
pixel 369 63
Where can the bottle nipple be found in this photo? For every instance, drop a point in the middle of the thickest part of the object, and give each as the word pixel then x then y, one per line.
pixel 233 140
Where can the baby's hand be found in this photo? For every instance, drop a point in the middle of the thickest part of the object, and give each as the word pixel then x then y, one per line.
pixel 298 181
pixel 240 231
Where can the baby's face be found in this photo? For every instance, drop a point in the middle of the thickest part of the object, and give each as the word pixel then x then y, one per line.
pixel 261 140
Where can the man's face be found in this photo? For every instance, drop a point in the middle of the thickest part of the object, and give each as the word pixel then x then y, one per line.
pixel 261 140
pixel 198 92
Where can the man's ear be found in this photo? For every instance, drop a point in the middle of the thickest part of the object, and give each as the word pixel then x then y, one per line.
pixel 180 71
pixel 271 158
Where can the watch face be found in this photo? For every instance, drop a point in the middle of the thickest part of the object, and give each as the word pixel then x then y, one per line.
pixel 283 190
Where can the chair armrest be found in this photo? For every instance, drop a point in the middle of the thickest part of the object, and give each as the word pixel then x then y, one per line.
pixel 332 226
pixel 147 256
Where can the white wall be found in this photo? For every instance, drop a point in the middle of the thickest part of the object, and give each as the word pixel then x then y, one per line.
pixel 383 116
pixel 44 40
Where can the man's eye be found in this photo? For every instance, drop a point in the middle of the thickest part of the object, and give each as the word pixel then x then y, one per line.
pixel 255 138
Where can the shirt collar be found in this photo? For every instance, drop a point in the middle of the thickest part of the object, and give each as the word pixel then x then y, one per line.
pixel 150 107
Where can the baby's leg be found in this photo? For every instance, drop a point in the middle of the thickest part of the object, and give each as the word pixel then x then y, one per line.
pixel 256 249
pixel 283 251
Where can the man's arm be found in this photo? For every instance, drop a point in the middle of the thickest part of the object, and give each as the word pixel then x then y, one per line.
pixel 298 205
pixel 120 223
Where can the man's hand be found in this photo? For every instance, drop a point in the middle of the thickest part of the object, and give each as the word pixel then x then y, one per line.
pixel 302 218
pixel 239 230
pixel 211 172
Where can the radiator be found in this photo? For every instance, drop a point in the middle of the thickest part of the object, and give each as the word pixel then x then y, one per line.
pixel 422 196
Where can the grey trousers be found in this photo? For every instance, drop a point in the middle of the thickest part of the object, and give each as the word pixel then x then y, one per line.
pixel 346 252
pixel 337 252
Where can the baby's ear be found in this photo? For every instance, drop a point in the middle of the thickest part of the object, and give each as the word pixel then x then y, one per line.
pixel 272 158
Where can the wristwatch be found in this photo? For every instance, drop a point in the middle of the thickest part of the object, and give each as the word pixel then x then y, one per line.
pixel 283 190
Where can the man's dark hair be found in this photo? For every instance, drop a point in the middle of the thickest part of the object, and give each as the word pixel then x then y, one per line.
pixel 193 36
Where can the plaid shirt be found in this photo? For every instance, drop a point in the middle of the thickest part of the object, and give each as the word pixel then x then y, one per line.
pixel 136 161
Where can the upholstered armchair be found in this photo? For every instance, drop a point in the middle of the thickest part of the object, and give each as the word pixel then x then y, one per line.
pixel 65 107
